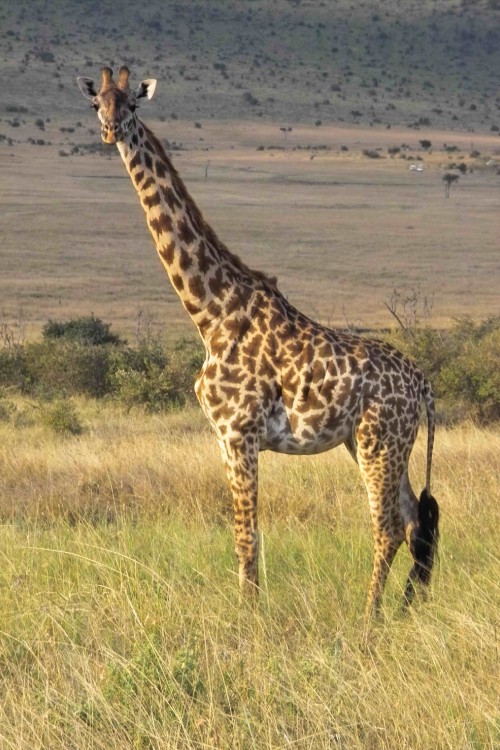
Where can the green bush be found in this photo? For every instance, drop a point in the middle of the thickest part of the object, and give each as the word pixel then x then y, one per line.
pixel 139 377
pixel 471 375
pixel 62 417
pixel 88 331
pixel 12 367
pixel 151 376
pixel 66 363
pixel 63 368
pixel 463 365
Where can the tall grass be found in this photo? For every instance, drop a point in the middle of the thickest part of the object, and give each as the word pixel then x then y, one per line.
pixel 120 620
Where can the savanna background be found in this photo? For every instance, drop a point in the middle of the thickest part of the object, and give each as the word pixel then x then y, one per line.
pixel 319 139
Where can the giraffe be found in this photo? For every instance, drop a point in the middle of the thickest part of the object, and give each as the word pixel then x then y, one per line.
pixel 273 379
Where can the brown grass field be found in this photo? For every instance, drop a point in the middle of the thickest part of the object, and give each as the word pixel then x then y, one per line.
pixel 340 230
pixel 120 621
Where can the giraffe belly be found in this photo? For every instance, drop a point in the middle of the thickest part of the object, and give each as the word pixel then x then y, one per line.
pixel 302 437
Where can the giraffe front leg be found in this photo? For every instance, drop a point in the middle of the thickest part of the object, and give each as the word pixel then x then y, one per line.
pixel 240 458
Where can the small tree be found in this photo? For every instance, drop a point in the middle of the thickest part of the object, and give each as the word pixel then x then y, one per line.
pixel 426 144
pixel 449 179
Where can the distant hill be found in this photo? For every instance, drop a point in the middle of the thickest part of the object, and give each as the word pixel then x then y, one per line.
pixel 392 62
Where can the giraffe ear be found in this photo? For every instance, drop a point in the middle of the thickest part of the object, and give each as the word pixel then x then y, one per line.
pixel 86 87
pixel 146 88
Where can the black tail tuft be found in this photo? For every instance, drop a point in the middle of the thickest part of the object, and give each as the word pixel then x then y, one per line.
pixel 427 536
pixel 423 544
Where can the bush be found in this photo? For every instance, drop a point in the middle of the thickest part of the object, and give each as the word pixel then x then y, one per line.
pixel 89 331
pixel 150 387
pixel 463 365
pixel 138 377
pixel 372 153
pixel 82 357
pixel 150 376
pixel 63 368
pixel 471 376
pixel 12 367
pixel 62 417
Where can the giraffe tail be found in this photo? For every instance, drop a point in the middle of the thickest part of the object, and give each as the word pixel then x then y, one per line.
pixel 428 398
pixel 427 534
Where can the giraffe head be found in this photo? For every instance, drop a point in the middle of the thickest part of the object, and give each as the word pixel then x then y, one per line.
pixel 115 103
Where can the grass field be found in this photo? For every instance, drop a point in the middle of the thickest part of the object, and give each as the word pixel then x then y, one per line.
pixel 120 621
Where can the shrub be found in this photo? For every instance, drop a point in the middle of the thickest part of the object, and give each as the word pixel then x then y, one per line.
pixel 150 376
pixel 87 331
pixel 12 367
pixel 62 417
pixel 150 387
pixel 81 357
pixel 471 375
pixel 62 368
pixel 372 153
pixel 463 365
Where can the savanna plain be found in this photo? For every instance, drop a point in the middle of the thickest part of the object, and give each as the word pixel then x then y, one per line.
pixel 121 625
pixel 120 619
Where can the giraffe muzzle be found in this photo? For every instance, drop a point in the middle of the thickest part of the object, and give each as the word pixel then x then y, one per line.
pixel 111 135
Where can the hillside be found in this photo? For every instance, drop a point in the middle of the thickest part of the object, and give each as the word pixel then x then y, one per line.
pixel 425 62
pixel 273 112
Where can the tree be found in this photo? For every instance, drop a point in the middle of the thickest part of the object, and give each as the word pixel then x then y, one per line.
pixel 449 179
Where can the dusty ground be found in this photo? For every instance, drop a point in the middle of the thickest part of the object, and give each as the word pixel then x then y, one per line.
pixel 340 230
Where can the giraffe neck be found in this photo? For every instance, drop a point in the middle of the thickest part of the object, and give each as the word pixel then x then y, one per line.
pixel 207 277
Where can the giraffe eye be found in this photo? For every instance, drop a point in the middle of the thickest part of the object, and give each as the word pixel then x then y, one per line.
pixel 133 107
pixel 95 106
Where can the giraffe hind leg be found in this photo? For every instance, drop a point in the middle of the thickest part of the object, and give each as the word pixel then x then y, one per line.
pixel 386 547
pixel 388 529
pixel 382 468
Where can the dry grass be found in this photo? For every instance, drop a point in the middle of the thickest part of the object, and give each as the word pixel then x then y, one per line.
pixel 121 626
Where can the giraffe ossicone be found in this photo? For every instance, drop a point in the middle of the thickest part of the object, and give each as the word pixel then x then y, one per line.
pixel 273 379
